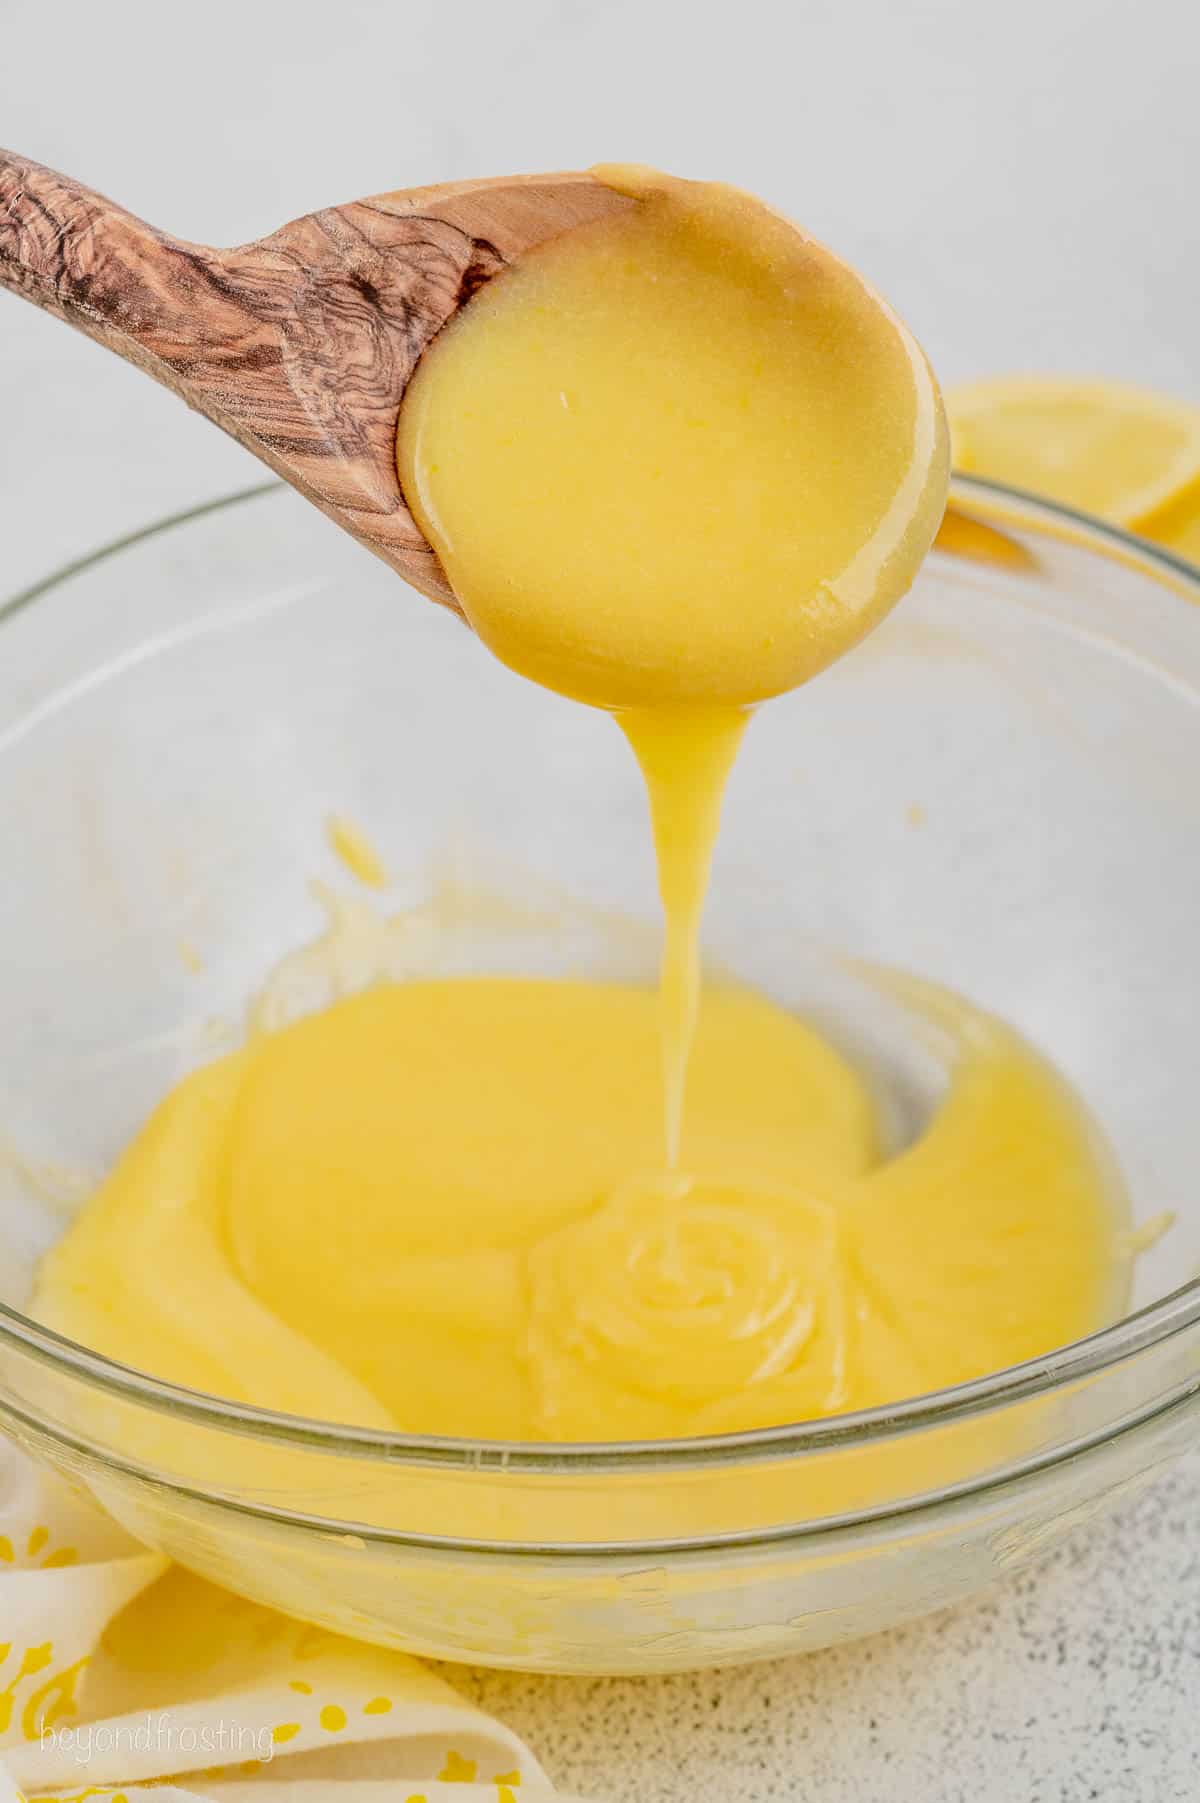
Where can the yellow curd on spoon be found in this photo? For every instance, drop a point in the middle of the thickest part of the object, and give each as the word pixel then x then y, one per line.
pixel 682 457
pixel 673 464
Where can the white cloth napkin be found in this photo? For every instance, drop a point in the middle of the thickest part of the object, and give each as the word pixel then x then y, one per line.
pixel 118 1671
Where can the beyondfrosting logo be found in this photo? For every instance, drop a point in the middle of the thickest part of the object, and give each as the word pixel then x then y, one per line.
pixel 181 1746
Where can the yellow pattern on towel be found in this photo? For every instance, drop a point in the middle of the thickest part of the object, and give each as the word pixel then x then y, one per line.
pixel 118 1671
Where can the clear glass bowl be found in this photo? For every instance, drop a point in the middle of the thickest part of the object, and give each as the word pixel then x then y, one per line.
pixel 998 792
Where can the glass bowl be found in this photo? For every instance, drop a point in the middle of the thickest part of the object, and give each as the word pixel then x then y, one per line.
pixel 997 792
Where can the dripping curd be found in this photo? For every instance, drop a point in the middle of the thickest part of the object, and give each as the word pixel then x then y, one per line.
pixel 673 464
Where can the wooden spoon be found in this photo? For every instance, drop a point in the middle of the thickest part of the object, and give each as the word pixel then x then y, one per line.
pixel 302 344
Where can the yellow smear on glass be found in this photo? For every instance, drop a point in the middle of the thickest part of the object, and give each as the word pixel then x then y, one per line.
pixel 352 846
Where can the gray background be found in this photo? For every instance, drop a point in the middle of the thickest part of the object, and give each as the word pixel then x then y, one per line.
pixel 1023 181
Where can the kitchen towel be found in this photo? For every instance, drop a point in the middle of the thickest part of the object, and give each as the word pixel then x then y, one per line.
pixel 119 1670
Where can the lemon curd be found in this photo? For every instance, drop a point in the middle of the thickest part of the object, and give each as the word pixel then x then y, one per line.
pixel 673 464
pixel 440 1206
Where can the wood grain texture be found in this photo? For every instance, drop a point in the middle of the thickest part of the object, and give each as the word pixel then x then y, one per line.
pixel 300 345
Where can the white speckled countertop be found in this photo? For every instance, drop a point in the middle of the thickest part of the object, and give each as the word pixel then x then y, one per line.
pixel 1078 1681
pixel 1020 179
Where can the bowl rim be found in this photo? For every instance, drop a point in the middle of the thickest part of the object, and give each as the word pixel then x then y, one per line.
pixel 1148 1327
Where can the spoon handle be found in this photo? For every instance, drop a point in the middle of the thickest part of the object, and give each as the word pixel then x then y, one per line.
pixel 302 344
pixel 82 258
